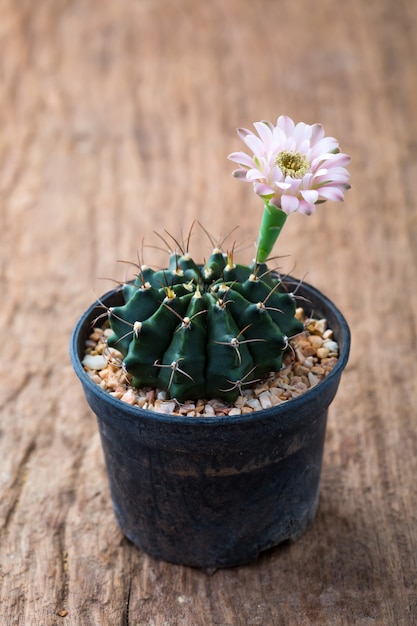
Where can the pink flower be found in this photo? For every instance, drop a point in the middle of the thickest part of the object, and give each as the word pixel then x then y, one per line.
pixel 294 166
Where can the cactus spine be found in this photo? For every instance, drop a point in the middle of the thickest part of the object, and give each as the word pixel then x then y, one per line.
pixel 203 331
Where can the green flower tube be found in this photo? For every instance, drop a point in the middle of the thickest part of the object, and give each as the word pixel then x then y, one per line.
pixel 273 220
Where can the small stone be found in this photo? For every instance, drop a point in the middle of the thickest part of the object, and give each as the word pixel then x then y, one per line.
pixel 299 370
pixel 299 313
pixel 329 363
pixel 235 411
pixel 167 407
pixel 247 409
pixel 316 341
pixel 317 327
pixel 94 376
pixel 308 350
pixel 97 362
pixel 129 397
pixel 309 361
pixel 187 408
pixel 254 404
pixel 300 386
pixel 322 353
pixel 260 389
pixel 331 346
pixel 300 355
pixel 313 379
pixel 265 400
pixel 112 381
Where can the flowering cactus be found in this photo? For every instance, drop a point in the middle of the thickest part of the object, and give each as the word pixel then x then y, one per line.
pixel 294 167
pixel 208 331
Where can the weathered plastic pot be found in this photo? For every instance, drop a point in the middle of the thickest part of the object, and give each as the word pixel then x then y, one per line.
pixel 215 491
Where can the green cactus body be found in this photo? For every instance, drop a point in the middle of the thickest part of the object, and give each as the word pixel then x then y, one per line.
pixel 203 331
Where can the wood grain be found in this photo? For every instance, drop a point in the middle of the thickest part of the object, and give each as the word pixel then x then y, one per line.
pixel 115 120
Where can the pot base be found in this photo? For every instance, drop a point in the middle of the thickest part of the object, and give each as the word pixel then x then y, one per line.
pixel 215 509
pixel 296 528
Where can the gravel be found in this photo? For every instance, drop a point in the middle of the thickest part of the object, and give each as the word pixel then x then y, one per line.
pixel 310 358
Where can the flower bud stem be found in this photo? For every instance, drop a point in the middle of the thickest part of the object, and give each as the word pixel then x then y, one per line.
pixel 273 220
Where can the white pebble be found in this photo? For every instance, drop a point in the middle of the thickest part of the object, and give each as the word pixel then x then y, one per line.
pixel 309 362
pixel 254 404
pixel 321 325
pixel 312 379
pixel 167 407
pixel 265 400
pixel 331 346
pixel 94 361
pixel 235 411
pixel 129 397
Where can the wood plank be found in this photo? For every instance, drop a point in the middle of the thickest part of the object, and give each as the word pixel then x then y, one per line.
pixel 116 120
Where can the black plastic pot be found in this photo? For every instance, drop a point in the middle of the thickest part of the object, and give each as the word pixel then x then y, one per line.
pixel 215 491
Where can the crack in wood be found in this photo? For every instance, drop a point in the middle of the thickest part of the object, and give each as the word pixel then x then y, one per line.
pixel 63 553
pixel 19 483
pixel 127 620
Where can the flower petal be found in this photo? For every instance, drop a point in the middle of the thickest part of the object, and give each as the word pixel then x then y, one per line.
pixel 255 144
pixel 264 133
pixel 289 204
pixel 301 133
pixel 332 193
pixel 317 133
pixel 306 208
pixel 310 195
pixel 243 132
pixel 241 174
pixel 263 190
pixel 286 124
pixel 242 158
pixel 254 174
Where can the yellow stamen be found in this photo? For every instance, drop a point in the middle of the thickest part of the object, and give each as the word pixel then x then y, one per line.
pixel 292 164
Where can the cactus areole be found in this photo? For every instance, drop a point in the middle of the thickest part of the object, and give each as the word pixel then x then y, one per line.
pixel 203 331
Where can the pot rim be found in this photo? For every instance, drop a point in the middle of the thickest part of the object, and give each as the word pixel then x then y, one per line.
pixel 168 418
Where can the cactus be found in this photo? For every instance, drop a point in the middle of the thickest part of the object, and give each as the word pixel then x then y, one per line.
pixel 208 331
pixel 203 331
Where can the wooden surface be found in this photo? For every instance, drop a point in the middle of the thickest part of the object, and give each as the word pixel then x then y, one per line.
pixel 116 118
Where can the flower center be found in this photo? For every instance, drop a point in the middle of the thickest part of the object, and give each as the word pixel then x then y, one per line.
pixel 292 164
